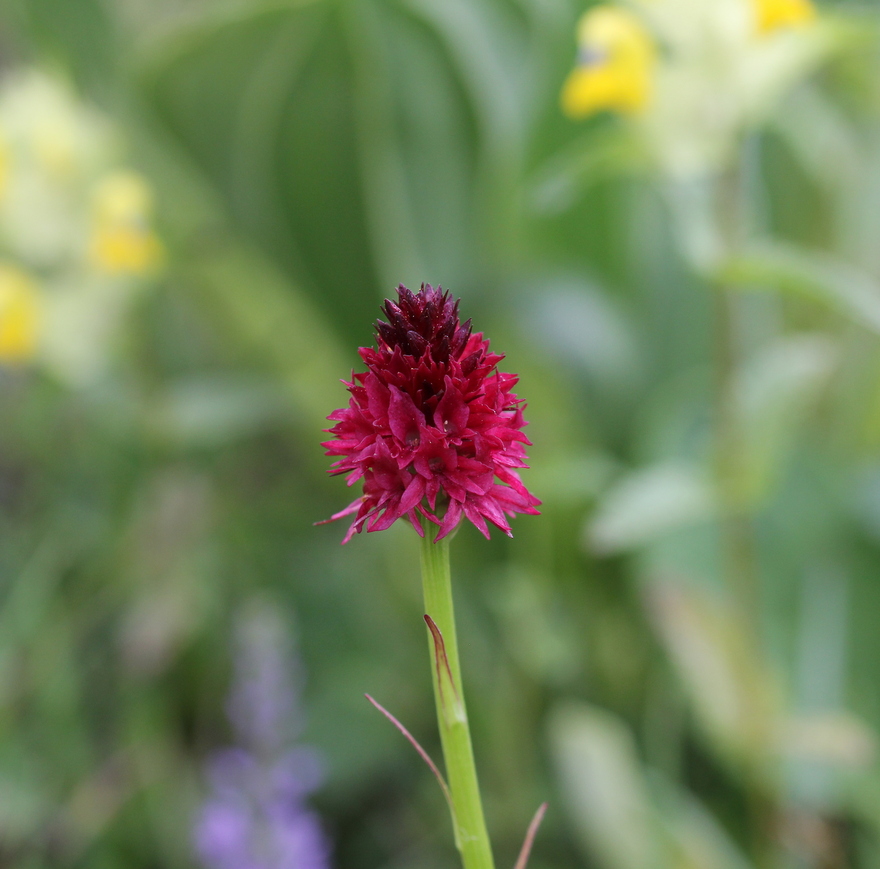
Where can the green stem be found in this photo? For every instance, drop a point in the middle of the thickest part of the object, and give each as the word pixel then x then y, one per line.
pixel 739 556
pixel 471 836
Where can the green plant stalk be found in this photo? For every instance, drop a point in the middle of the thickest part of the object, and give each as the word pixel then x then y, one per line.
pixel 739 550
pixel 471 836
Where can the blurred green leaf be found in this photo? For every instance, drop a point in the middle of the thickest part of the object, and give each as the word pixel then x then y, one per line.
pixel 648 503
pixel 699 840
pixel 280 322
pixel 818 276
pixel 626 815
pixel 342 139
pixel 81 33
pixel 583 327
pixel 775 390
pixel 731 689
pixel 606 796
pixel 821 137
pixel 207 411
pixel 776 65
pixel 572 479
pixel 537 631
pixel 264 104
pixel 612 151
pixel 23 799
pixel 833 738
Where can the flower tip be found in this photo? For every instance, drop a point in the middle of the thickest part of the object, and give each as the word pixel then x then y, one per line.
pixel 351 508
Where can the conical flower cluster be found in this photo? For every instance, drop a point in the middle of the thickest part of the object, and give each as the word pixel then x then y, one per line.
pixel 432 427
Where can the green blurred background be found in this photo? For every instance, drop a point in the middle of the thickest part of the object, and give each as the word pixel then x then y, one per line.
pixel 682 654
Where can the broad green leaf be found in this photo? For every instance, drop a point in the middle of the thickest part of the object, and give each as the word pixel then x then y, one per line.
pixel 264 105
pixel 359 144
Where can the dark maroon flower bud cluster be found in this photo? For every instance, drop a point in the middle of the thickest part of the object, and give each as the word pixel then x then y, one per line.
pixel 431 427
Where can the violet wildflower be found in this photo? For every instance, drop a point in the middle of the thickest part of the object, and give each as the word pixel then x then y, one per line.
pixel 432 427
pixel 256 816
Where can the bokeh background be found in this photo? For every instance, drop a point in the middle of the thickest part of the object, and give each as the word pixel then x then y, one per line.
pixel 202 205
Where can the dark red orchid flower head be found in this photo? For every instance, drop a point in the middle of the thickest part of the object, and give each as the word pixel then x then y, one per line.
pixel 432 427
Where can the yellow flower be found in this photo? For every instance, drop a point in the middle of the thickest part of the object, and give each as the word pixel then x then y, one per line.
pixel 122 241
pixel 615 64
pixel 19 314
pixel 124 250
pixel 775 14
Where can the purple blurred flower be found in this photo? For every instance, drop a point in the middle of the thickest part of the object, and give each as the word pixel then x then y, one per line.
pixel 263 702
pixel 256 816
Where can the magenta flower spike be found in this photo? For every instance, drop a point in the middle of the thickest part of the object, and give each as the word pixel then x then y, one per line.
pixel 432 428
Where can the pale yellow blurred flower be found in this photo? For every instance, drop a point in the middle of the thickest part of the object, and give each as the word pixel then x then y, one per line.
pixel 693 75
pixel 4 166
pixel 54 147
pixel 122 241
pixel 615 67
pixel 775 14
pixel 19 314
pixel 50 129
